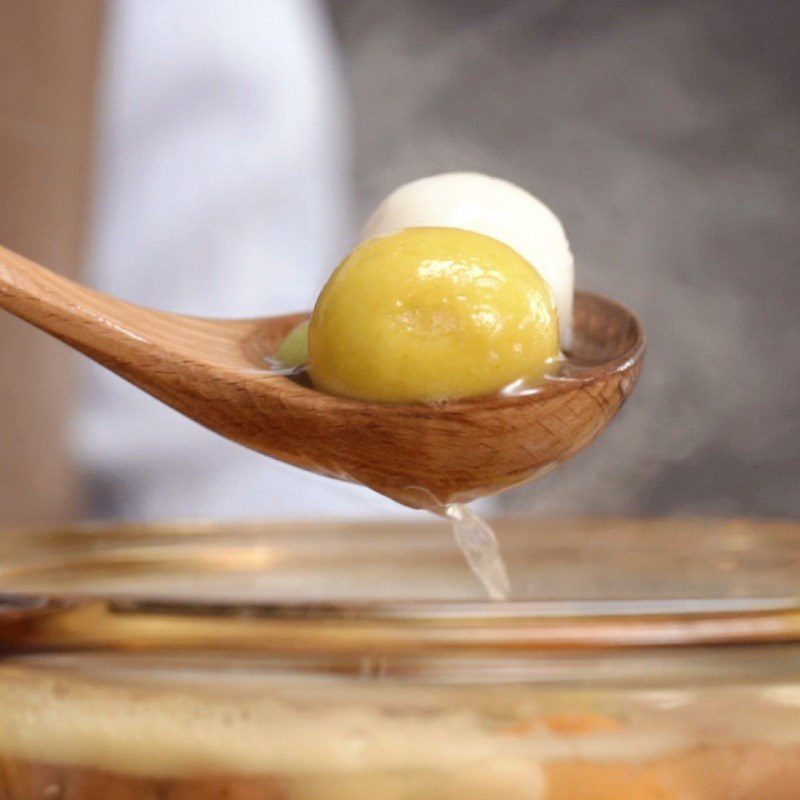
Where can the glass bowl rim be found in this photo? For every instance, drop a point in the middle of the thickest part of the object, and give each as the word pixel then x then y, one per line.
pixel 112 621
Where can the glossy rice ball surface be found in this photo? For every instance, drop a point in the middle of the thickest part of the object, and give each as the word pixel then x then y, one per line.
pixel 430 314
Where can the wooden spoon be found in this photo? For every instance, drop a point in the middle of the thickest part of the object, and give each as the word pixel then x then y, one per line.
pixel 424 456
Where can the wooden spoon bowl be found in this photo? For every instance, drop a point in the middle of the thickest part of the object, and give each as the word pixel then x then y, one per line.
pixel 214 371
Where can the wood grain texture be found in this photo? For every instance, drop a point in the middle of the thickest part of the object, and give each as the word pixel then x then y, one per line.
pixel 420 455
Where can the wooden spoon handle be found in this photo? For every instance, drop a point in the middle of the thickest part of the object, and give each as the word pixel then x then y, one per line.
pixel 113 332
pixel 147 347
pixel 81 317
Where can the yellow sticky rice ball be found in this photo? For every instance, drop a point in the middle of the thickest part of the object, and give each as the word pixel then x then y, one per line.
pixel 429 314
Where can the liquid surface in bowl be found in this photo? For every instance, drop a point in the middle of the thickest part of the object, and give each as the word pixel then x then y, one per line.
pixel 116 735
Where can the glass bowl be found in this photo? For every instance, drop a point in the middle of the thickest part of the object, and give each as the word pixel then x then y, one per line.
pixel 638 660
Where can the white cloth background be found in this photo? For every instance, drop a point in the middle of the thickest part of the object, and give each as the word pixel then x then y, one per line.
pixel 221 189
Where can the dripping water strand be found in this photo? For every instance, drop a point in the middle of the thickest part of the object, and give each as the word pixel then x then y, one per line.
pixel 476 540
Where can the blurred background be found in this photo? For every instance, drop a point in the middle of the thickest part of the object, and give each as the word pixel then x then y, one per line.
pixel 219 158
